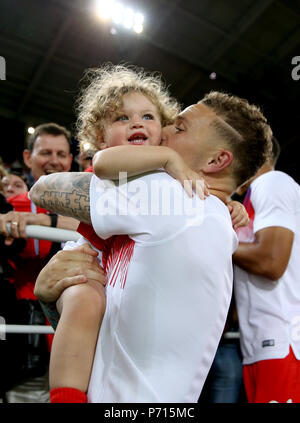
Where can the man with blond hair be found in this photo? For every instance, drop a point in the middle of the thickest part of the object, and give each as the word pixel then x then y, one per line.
pixel 169 277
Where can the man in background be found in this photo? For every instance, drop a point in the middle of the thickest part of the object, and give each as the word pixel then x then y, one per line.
pixel 267 286
pixel 48 151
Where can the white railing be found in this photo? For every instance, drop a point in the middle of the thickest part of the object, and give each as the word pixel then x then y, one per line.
pixel 44 233
pixel 232 335
pixel 50 234
pixel 25 329
pixel 49 330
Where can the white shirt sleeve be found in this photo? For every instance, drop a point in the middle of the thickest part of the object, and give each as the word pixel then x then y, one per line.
pixel 70 245
pixel 149 208
pixel 274 198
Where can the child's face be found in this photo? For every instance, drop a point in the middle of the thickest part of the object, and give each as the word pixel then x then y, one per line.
pixel 13 185
pixel 136 123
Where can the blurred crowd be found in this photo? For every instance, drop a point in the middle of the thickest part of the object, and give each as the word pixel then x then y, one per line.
pixel 24 358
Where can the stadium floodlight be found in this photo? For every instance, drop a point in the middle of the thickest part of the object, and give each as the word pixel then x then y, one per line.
pixel 138 22
pixel 138 19
pixel 138 28
pixel 104 8
pixel 120 14
pixel 128 18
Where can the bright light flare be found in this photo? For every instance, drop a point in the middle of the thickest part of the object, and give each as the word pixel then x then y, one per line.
pixel 120 15
pixel 138 23
pixel 128 18
pixel 30 130
pixel 138 28
pixel 139 19
pixel 105 8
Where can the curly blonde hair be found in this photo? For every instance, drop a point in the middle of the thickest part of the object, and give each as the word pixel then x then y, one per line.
pixel 104 92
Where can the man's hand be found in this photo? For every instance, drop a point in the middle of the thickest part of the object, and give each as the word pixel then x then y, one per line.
pixel 67 268
pixel 18 222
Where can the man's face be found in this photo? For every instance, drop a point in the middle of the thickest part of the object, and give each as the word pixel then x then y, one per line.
pixel 50 154
pixel 192 135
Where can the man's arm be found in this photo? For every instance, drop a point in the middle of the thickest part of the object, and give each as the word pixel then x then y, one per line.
pixel 66 268
pixel 268 255
pixel 69 223
pixel 65 193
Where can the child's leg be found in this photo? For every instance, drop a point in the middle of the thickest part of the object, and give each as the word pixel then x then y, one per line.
pixel 81 308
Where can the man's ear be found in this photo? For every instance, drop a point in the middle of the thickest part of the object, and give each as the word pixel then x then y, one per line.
pixel 218 162
pixel 27 158
pixel 70 160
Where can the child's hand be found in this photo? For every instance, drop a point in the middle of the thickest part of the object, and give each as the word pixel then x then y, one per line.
pixel 238 213
pixel 190 180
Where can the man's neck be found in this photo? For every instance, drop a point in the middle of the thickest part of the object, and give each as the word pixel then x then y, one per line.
pixel 220 187
pixel 220 191
pixel 222 195
pixel 31 180
pixel 267 167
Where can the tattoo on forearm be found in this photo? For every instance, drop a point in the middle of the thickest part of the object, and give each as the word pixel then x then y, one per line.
pixel 51 313
pixel 64 193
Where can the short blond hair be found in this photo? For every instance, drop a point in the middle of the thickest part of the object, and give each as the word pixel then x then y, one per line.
pixel 104 92
pixel 50 128
pixel 246 131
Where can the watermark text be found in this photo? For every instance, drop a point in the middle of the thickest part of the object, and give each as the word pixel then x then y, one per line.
pixel 2 69
pixel 139 197
pixel 296 69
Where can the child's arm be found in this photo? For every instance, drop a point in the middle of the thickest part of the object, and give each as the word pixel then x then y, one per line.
pixel 140 159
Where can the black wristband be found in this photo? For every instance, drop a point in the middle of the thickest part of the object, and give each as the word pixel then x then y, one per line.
pixel 53 218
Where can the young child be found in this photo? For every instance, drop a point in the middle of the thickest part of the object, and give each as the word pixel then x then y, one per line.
pixel 13 183
pixel 120 107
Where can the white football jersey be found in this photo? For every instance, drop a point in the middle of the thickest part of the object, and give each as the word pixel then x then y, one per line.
pixel 169 289
pixel 269 311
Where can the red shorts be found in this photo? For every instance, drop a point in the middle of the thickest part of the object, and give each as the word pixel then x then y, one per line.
pixel 275 380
